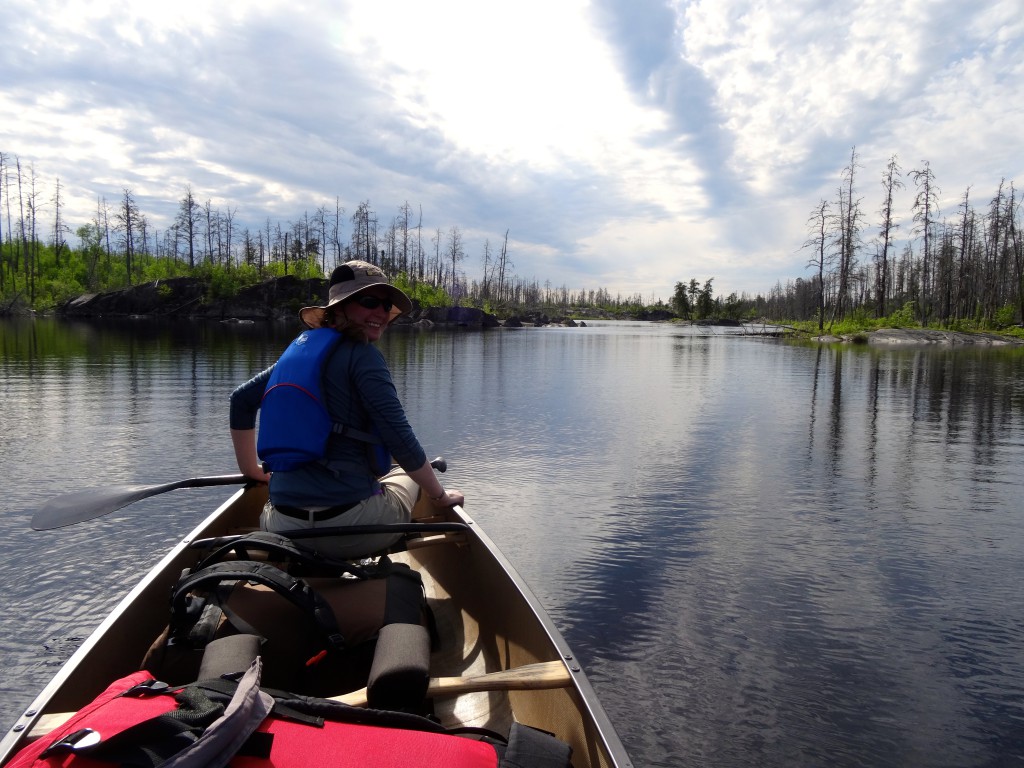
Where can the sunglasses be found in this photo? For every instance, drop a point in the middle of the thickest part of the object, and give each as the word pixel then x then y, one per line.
pixel 372 302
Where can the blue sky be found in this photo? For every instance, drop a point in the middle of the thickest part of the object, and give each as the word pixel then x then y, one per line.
pixel 624 144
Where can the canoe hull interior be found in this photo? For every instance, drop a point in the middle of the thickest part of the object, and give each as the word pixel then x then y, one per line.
pixel 487 618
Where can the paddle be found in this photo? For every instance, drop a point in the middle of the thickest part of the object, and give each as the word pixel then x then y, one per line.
pixel 529 677
pixel 77 507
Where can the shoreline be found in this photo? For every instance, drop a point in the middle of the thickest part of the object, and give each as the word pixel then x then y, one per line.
pixel 922 336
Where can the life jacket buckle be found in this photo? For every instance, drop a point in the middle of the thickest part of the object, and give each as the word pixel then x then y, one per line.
pixel 83 738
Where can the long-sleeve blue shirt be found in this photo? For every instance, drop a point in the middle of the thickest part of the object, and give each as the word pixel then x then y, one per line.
pixel 359 392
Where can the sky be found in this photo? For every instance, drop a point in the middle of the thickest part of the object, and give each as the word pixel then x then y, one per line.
pixel 624 145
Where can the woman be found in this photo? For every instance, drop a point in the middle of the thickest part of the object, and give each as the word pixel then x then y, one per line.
pixel 341 488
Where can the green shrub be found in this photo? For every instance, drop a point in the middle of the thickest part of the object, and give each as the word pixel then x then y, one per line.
pixel 905 317
pixel 1004 316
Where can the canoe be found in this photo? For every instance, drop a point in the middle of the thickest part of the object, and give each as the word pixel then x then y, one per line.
pixel 500 658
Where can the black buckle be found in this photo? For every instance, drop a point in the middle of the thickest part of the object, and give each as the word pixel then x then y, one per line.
pixel 82 739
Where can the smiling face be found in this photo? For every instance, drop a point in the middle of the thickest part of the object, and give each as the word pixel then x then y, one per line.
pixel 369 319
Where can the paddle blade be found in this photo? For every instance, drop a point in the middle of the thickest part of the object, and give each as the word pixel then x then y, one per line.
pixel 88 504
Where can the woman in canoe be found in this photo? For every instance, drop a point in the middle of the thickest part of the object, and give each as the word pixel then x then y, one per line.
pixel 340 485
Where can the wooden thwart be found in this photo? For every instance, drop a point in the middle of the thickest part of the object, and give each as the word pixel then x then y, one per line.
pixel 529 677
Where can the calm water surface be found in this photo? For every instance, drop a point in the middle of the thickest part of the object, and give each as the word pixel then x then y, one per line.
pixel 765 553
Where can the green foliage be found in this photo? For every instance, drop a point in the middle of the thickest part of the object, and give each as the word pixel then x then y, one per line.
pixel 1004 316
pixel 62 287
pixel 681 301
pixel 905 317
pixel 303 268
pixel 734 308
pixel 859 323
pixel 427 295
pixel 226 282
pixel 151 269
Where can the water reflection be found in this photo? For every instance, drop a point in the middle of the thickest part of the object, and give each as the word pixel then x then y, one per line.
pixel 794 554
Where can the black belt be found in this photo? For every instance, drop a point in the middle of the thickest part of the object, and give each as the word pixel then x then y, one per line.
pixel 319 515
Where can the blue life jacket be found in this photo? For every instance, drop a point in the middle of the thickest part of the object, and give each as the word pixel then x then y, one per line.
pixel 294 422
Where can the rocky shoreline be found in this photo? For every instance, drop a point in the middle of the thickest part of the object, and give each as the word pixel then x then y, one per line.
pixel 923 336
pixel 280 299
pixel 277 299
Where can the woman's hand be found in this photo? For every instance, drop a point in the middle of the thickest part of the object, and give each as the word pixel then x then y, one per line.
pixel 258 475
pixel 449 498
pixel 433 490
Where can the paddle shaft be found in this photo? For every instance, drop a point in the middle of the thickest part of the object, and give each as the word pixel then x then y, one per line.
pixel 91 503
pixel 529 677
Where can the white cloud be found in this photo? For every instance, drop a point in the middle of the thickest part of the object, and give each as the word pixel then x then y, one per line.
pixel 625 144
pixel 787 74
pixel 525 83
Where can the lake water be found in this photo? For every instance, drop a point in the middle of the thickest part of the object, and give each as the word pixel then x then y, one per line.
pixel 765 553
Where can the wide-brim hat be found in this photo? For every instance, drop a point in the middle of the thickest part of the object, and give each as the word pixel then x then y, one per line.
pixel 351 278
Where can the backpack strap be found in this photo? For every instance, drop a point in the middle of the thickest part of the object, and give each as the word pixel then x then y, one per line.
pixel 201 731
pixel 296 591
pixel 278 548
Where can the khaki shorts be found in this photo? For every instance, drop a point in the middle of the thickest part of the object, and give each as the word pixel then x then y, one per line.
pixel 393 505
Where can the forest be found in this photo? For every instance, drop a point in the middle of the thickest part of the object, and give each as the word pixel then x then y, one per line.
pixel 40 269
pixel 961 269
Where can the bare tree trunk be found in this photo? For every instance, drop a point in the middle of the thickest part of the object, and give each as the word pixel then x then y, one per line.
pixel 455 254
pixel 1018 252
pixel 404 212
pixel 438 269
pixel 32 246
pixel 336 231
pixel 5 192
pixel 961 309
pixel 229 234
pixel 22 240
pixel 208 213
pixel 127 217
pixel 59 243
pixel 891 182
pixel 849 229
pixel 503 265
pixel 819 240
pixel 421 267
pixel 925 210
pixel 993 256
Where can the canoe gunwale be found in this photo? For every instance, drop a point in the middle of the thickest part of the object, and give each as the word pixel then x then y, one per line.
pixel 75 673
pixel 585 691
pixel 13 736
